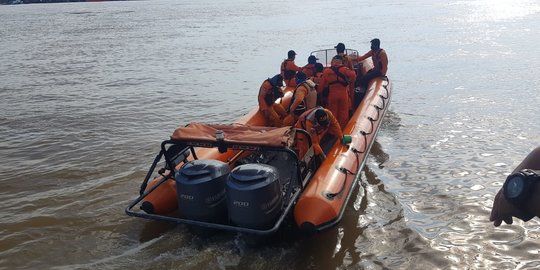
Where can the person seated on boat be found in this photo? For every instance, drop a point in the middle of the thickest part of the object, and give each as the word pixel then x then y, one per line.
pixel 310 69
pixel 520 195
pixel 317 122
pixel 380 63
pixel 270 91
pixel 289 69
pixel 304 94
pixel 335 83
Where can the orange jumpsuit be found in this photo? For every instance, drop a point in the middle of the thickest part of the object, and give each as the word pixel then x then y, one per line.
pixel 348 62
pixel 267 106
pixel 308 122
pixel 338 98
pixel 288 71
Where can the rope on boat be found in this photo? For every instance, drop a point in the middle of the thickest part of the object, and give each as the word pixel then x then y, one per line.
pixel 371 120
pixel 345 171
pixel 364 134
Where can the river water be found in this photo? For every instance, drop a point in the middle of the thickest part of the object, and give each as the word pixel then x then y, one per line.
pixel 89 90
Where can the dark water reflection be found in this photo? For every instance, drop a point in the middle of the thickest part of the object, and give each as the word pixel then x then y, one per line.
pixel 89 90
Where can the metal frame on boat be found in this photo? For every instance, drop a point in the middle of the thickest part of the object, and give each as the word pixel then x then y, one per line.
pixel 176 153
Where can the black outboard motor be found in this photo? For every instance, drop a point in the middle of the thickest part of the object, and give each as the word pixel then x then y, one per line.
pixel 254 196
pixel 200 188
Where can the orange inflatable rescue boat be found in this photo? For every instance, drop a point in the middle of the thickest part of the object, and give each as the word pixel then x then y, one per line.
pixel 247 177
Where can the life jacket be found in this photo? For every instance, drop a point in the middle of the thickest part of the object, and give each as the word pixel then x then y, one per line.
pixel 310 99
pixel 377 62
pixel 340 78
pixel 287 73
pixel 272 95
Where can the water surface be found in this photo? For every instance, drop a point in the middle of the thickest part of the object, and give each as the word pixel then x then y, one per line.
pixel 89 90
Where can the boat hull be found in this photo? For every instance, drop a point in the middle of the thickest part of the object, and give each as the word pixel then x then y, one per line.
pixel 323 201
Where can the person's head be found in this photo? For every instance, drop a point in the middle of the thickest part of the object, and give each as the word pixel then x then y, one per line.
pixel 322 117
pixel 319 67
pixel 337 60
pixel 300 77
pixel 291 54
pixel 340 48
pixel 375 44
pixel 276 81
pixel 312 59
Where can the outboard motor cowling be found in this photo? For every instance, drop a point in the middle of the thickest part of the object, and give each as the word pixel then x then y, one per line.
pixel 254 197
pixel 200 188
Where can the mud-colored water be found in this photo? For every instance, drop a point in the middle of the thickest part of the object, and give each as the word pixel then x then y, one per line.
pixel 89 90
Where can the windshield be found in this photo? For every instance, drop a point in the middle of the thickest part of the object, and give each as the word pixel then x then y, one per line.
pixel 325 56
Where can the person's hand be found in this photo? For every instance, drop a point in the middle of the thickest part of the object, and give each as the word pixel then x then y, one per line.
pixel 503 210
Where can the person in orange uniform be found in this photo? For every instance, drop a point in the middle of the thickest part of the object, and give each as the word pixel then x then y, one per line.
pixel 319 68
pixel 289 69
pixel 348 62
pixel 309 69
pixel 380 63
pixel 337 79
pixel 270 91
pixel 317 122
pixel 304 98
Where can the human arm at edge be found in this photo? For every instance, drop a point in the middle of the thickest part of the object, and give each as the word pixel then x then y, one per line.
pixel 503 210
